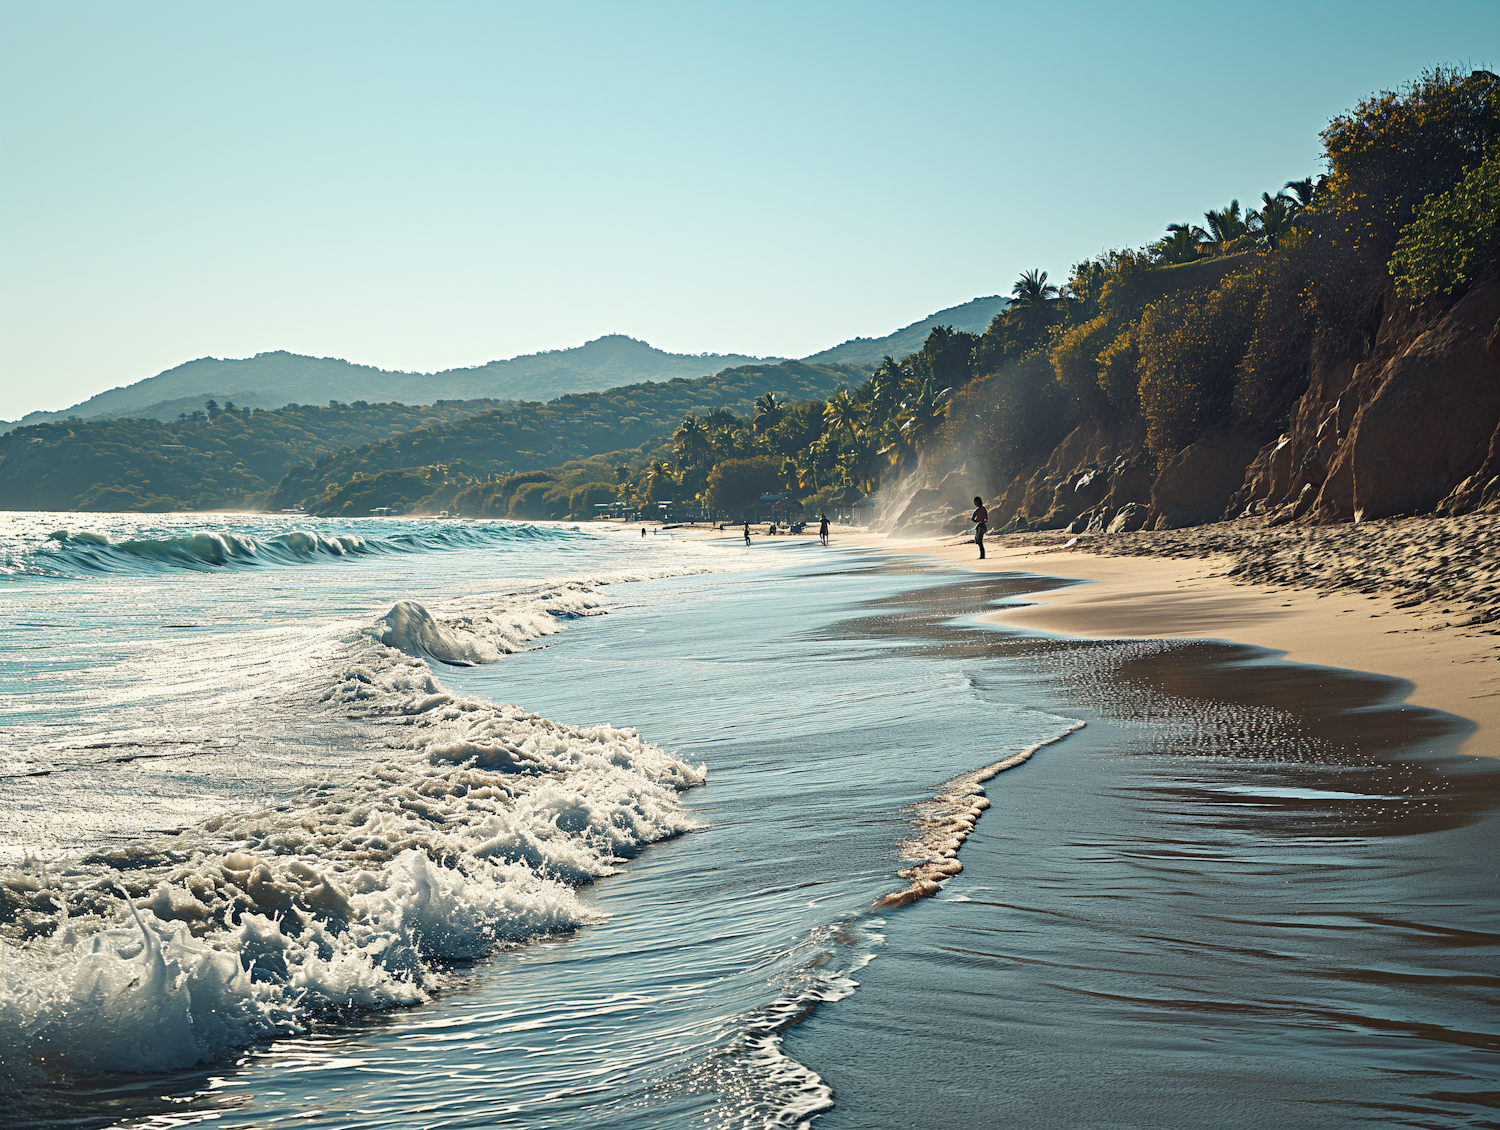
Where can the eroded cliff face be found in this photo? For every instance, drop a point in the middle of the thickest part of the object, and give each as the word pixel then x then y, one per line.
pixel 1096 476
pixel 1408 423
pixel 1410 428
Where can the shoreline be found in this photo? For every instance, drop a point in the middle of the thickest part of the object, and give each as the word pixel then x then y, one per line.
pixel 1451 668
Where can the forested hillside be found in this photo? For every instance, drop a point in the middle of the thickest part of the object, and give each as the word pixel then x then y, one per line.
pixel 219 456
pixel 234 457
pixel 271 380
pixel 527 437
pixel 1330 353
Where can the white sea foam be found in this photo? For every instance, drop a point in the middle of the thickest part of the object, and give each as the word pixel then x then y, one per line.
pixel 943 825
pixel 469 827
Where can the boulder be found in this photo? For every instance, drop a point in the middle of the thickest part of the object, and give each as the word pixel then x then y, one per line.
pixel 1091 521
pixel 1075 496
pixel 1428 426
pixel 1130 517
pixel 1130 478
pixel 1196 486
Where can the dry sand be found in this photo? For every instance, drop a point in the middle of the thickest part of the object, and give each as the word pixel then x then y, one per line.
pixel 1416 599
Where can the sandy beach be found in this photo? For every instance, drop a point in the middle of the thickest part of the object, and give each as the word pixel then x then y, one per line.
pixel 1414 599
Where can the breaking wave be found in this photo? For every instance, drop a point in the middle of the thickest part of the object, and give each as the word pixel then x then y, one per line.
pixel 471 830
pixel 73 552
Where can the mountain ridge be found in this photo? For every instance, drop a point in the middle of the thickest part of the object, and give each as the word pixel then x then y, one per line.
pixel 973 316
pixel 277 378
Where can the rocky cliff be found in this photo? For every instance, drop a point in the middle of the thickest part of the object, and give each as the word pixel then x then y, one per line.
pixel 1409 428
pixel 1404 423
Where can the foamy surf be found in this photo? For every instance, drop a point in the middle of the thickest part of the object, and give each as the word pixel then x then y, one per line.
pixel 70 552
pixel 944 823
pixel 472 830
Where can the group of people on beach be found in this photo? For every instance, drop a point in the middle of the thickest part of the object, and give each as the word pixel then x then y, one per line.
pixel 797 529
pixel 980 518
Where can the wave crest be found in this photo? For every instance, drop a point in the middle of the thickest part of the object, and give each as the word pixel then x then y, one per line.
pixel 472 831
pixel 82 551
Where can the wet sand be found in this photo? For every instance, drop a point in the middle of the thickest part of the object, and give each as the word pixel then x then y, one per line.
pixel 1248 892
pixel 1408 600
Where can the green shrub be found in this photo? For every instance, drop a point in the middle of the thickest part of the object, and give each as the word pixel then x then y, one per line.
pixel 1396 148
pixel 1455 237
pixel 1273 372
pixel 1075 358
pixel 582 500
pixel 1117 373
pixel 1385 157
pixel 1191 348
pixel 530 502
pixel 735 484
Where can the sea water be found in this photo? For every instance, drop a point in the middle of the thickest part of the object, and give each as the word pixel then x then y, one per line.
pixel 416 823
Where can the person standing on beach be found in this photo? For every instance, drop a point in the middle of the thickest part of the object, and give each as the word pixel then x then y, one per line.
pixel 747 533
pixel 981 520
pixel 823 529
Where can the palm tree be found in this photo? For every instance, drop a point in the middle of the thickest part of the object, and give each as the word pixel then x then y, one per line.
pixel 768 412
pixel 923 412
pixel 1032 289
pixel 841 411
pixel 885 388
pixel 1273 219
pixel 654 473
pixel 691 441
pixel 1225 226
pixel 1183 243
pixel 1303 192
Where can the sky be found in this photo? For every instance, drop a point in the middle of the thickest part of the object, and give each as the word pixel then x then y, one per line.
pixel 427 185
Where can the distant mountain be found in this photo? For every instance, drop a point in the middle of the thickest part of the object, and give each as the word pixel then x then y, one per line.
pixel 971 317
pixel 271 380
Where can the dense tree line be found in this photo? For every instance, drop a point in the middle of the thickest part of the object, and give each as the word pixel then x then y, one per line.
pixel 1211 326
pixel 328 458
pixel 216 457
pixel 533 437
pixel 820 452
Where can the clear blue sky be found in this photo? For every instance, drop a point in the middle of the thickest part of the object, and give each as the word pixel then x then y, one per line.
pixel 424 185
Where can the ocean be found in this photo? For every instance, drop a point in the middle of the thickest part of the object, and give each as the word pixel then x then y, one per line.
pixel 415 823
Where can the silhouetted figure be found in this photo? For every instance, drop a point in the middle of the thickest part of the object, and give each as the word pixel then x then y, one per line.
pixel 747 533
pixel 643 531
pixel 823 529
pixel 981 520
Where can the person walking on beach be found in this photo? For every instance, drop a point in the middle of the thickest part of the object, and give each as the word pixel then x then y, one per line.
pixel 823 529
pixel 981 520
pixel 747 533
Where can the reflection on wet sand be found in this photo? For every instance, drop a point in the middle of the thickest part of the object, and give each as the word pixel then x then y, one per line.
pixel 1249 892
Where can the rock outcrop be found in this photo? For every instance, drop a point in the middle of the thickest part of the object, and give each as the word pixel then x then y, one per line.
pixel 1428 426
pixel 942 507
pixel 1404 422
pixel 1085 480
pixel 1198 483
pixel 1408 428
